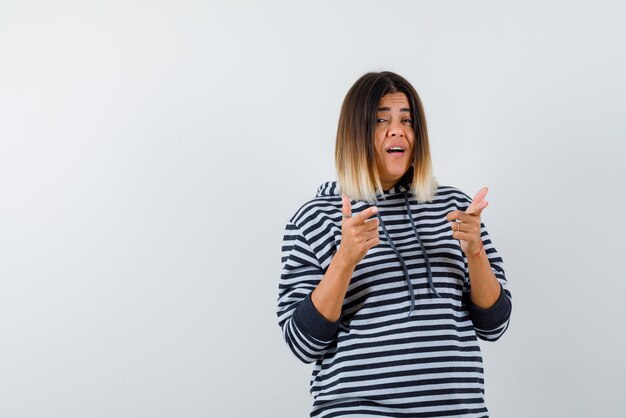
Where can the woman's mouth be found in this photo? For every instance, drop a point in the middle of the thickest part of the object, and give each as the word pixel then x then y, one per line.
pixel 396 150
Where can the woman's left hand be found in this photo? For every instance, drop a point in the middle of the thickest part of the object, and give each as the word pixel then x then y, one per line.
pixel 469 224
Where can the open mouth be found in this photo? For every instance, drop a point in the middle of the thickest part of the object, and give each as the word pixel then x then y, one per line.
pixel 395 149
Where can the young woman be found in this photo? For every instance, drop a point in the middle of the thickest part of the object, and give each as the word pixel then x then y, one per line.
pixel 389 278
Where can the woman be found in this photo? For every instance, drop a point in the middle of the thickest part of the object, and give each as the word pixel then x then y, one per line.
pixel 388 278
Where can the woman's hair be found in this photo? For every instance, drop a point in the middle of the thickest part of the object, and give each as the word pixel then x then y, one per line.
pixel 355 156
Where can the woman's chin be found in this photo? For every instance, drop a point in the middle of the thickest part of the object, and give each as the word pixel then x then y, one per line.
pixel 397 172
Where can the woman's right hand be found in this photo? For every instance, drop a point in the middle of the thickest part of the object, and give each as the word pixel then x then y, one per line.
pixel 358 233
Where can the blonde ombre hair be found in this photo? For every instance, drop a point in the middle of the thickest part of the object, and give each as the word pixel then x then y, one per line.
pixel 355 156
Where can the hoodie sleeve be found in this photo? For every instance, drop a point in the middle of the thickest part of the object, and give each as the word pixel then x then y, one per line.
pixel 307 333
pixel 491 323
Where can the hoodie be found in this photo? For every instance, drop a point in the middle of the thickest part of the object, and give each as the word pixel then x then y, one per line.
pixel 407 339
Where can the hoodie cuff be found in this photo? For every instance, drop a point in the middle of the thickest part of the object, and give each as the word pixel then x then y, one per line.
pixel 311 322
pixel 492 317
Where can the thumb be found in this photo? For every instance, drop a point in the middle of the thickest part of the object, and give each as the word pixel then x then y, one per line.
pixel 346 207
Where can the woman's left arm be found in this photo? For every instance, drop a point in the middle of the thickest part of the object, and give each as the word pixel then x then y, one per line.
pixel 488 304
pixel 485 289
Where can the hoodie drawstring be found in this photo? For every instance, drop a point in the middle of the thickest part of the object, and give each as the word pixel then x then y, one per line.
pixel 405 270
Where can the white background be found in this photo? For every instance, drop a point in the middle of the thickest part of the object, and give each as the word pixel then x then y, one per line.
pixel 152 152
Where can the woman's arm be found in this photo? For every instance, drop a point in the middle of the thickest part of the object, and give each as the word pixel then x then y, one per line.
pixel 485 289
pixel 310 300
pixel 489 303
pixel 329 294
pixel 358 235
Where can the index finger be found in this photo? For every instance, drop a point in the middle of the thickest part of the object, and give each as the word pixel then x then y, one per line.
pixel 362 216
pixel 346 207
pixel 476 202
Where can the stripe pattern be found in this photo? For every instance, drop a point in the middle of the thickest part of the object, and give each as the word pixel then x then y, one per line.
pixel 376 360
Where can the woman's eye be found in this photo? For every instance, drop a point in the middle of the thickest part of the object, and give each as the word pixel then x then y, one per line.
pixel 381 120
pixel 408 121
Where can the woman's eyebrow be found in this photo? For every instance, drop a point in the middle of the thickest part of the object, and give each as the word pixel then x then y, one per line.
pixel 387 109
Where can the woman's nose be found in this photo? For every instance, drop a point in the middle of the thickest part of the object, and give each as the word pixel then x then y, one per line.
pixel 395 130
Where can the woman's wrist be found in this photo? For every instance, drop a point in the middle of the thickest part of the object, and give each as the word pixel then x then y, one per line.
pixel 342 263
pixel 479 250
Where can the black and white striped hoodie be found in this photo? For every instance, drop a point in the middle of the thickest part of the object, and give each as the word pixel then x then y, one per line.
pixel 406 343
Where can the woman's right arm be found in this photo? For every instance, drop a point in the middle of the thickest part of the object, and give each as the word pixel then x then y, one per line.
pixel 358 235
pixel 310 300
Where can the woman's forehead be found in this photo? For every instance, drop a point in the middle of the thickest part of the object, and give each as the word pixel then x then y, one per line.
pixel 394 101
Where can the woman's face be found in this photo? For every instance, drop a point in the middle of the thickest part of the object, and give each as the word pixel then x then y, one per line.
pixel 393 138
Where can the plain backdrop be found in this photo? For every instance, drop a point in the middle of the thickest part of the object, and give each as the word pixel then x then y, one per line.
pixel 151 153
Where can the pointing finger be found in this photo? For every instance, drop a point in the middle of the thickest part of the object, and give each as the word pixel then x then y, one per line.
pixel 458 215
pixel 346 207
pixel 480 195
pixel 477 209
pixel 476 202
pixel 362 216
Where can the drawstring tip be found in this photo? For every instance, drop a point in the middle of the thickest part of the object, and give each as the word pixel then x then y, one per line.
pixel 412 307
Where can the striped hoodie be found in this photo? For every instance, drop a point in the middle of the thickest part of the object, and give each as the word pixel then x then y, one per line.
pixel 406 344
